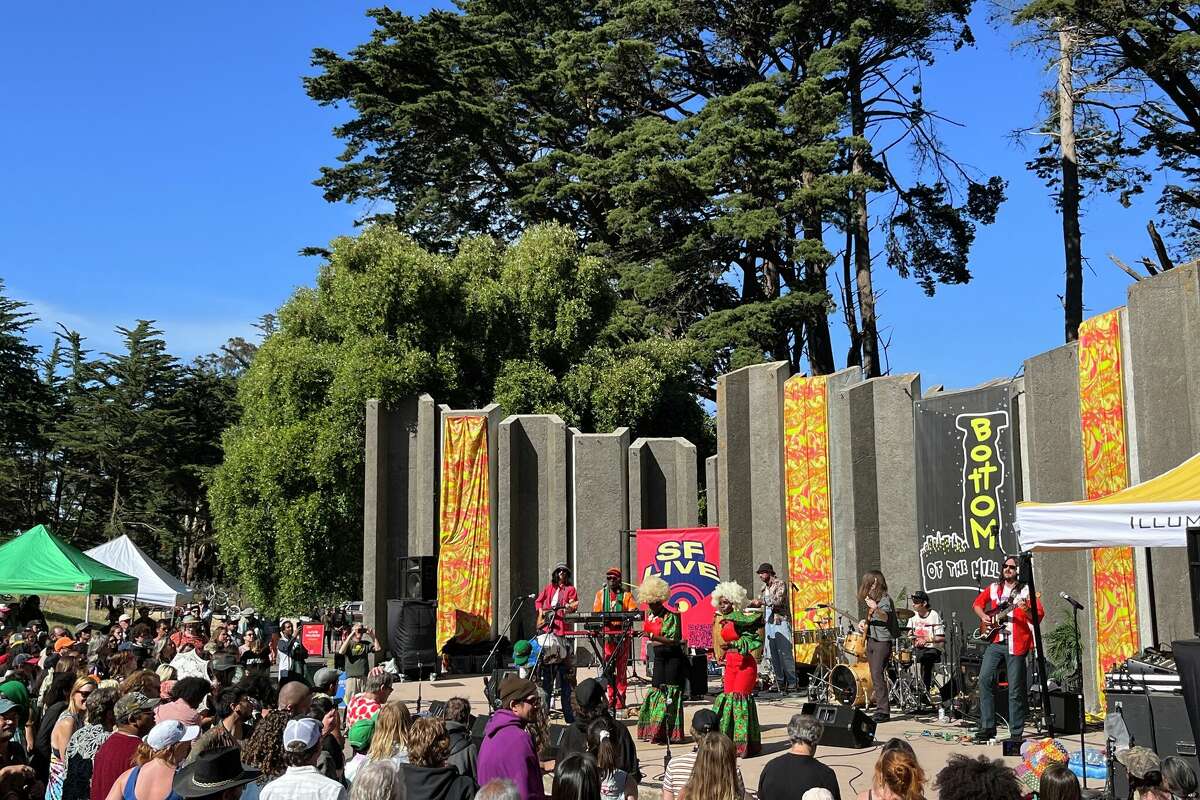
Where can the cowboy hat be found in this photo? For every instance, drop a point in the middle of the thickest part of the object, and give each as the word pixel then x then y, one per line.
pixel 213 772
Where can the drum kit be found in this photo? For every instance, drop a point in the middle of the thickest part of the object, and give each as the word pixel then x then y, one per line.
pixel 841 674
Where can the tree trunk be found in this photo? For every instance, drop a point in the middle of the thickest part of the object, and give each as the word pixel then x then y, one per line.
pixel 860 225
pixel 116 504
pixel 854 353
pixel 1072 244
pixel 820 346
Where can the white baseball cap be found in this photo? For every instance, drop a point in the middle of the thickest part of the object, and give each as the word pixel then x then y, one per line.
pixel 169 733
pixel 123 618
pixel 301 734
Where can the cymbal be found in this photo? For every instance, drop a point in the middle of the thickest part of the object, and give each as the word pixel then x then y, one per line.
pixel 905 614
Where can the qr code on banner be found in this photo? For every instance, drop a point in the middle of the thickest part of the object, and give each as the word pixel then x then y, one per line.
pixel 699 636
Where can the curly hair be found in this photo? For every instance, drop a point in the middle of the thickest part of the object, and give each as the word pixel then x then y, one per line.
pixel 144 681
pixel 732 591
pixel 264 750
pixel 653 590
pixel 981 778
pixel 101 703
pixel 428 744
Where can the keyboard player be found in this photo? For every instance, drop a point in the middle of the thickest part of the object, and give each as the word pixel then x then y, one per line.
pixel 614 597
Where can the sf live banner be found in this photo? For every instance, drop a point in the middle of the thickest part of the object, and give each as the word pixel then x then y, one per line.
pixel 967 487
pixel 689 560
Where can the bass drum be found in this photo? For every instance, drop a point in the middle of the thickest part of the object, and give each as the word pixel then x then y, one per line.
pixel 851 684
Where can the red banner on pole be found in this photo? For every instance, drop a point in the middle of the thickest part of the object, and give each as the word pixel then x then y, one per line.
pixel 312 636
pixel 689 560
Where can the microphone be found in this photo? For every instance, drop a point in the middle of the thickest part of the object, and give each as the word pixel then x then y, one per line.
pixel 525 596
pixel 818 605
pixel 1078 605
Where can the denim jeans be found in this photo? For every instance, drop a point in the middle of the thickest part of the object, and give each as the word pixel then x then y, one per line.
pixel 781 650
pixel 1018 689
pixel 549 673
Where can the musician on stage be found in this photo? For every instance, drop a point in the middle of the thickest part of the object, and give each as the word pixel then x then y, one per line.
pixel 776 616
pixel 613 597
pixel 880 629
pixel 1003 608
pixel 661 717
pixel 557 598
pixel 928 633
pixel 737 640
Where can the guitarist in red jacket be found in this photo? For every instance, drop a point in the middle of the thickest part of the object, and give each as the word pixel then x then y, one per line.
pixel 1006 624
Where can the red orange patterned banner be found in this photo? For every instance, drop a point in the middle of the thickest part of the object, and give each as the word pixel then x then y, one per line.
pixel 809 524
pixel 1105 471
pixel 465 558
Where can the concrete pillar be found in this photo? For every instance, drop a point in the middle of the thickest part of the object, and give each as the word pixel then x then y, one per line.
pixel 846 556
pixel 883 467
pixel 712 492
pixel 600 510
pixel 1051 447
pixel 400 497
pixel 494 413
pixel 1164 357
pixel 533 506
pixel 662 484
pixel 750 479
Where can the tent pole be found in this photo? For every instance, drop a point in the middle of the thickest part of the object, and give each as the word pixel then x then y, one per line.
pixel 1027 576
pixel 87 608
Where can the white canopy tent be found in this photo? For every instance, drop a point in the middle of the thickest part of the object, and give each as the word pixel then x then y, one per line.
pixel 156 586
pixel 1155 513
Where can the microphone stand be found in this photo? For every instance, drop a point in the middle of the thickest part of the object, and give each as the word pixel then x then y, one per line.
pixel 520 605
pixel 1079 692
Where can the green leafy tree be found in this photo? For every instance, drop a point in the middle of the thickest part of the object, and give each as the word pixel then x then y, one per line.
pixel 23 401
pixel 534 325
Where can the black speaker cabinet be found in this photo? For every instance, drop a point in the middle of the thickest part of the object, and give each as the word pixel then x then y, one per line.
pixel 1065 708
pixel 417 578
pixel 1134 709
pixel 844 726
pixel 1172 728
pixel 478 724
pixel 411 634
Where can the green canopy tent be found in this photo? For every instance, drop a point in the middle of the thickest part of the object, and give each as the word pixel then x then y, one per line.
pixel 38 562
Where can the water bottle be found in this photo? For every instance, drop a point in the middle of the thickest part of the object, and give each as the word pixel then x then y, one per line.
pixel 941 715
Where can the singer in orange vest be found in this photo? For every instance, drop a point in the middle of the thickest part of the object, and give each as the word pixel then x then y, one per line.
pixel 613 597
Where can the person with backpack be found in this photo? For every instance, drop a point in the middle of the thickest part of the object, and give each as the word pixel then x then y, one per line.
pixel 290 653
pixel 880 628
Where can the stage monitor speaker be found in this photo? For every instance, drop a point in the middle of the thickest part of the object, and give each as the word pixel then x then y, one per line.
pixel 417 578
pixel 1065 708
pixel 844 726
pixel 1134 709
pixel 1187 659
pixel 1193 557
pixel 1172 728
pixel 411 634
pixel 491 686
pixel 697 676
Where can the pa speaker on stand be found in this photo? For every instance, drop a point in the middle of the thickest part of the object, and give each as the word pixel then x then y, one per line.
pixel 417 578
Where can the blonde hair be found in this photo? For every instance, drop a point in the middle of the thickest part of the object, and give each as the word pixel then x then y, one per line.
pixel 391 731
pixel 86 680
pixel 653 590
pixel 732 591
pixel 714 776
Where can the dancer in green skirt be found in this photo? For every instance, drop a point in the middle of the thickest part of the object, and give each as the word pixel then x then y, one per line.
pixel 737 636
pixel 661 717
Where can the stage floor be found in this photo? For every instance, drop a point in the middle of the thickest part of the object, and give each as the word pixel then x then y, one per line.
pixel 853 767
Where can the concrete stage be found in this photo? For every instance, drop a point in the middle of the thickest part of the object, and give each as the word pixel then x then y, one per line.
pixel 854 767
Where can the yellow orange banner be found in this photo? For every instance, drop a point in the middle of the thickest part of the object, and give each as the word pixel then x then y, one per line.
pixel 809 524
pixel 1105 471
pixel 465 557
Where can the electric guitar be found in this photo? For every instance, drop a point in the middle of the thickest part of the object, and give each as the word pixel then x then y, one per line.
pixel 999 615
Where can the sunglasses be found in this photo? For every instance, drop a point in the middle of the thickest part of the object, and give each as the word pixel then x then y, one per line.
pixel 1010 566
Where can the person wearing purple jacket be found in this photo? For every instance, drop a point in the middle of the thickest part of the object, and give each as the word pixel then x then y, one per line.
pixel 507 749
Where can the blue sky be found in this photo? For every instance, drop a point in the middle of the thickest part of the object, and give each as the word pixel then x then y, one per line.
pixel 157 162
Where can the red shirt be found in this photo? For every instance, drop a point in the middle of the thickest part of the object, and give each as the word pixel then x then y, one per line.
pixel 1018 629
pixel 114 757
pixel 545 601
pixel 362 706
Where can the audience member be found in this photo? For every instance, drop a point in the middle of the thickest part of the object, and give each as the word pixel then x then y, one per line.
pixel 332 761
pixel 356 650
pixel 615 783
pixel 301 781
pixel 379 780
pixel 134 717
pixel 295 697
pixel 69 721
pixel 898 776
pixel 85 742
pixel 264 751
pixel 715 775
pixel 576 778
pixel 1058 783
pixel 982 778
pixel 1145 773
pixel 463 751
pixel 217 775
pixel 680 768
pixel 499 789
pixel 359 738
pixel 376 690
pixel 390 739
pixel 186 696
pixel 234 709
pixel 796 771
pixel 158 756
pixel 427 776
pixel 591 704
pixel 507 748
pixel 1178 777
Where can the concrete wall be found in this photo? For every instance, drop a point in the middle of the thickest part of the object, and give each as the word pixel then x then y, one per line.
pixel 1052 459
pixel 1164 359
pixel 400 497
pixel 662 484
pixel 712 492
pixel 848 558
pixel 533 508
pixel 494 413
pixel 750 481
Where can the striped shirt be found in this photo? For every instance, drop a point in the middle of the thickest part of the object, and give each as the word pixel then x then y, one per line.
pixel 680 769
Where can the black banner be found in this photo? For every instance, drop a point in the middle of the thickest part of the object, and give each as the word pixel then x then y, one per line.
pixel 967 491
